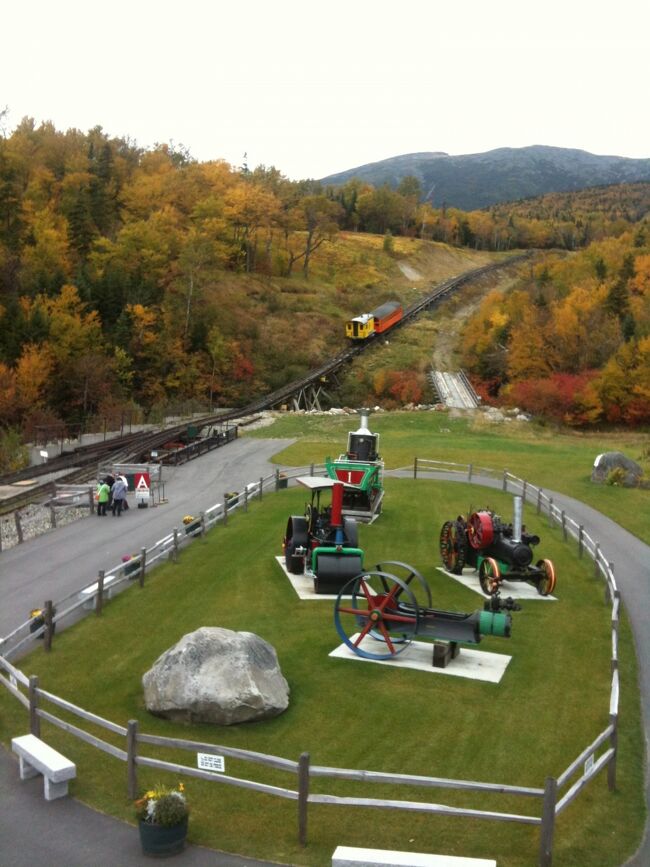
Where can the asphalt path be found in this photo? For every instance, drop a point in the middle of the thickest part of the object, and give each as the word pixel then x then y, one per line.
pixel 51 566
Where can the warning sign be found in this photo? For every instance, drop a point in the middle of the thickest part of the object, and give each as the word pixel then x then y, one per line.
pixel 142 481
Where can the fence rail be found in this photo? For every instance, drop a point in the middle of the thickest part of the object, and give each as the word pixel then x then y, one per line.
pixel 588 762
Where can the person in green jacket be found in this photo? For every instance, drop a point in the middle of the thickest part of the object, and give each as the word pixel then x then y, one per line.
pixel 103 493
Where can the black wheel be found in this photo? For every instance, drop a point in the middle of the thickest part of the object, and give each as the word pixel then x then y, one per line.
pixel 297 537
pixel 351 532
pixel 489 576
pixel 453 546
pixel 548 579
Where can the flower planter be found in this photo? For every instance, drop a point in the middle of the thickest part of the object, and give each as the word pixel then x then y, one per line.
pixel 161 841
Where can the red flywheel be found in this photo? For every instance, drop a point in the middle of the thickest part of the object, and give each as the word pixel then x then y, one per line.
pixel 480 530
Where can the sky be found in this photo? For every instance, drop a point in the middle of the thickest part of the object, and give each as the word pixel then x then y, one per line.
pixel 317 88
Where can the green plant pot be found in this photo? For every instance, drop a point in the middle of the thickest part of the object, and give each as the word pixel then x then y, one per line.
pixel 161 841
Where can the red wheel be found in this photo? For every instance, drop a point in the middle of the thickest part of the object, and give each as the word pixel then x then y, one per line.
pixel 548 579
pixel 480 530
pixel 489 576
pixel 381 606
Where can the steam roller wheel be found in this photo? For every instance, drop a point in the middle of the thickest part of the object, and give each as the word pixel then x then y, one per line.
pixel 480 530
pixel 489 576
pixel 548 578
pixel 351 532
pixel 296 537
pixel 380 606
pixel 452 547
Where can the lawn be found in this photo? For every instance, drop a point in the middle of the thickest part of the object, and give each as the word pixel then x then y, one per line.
pixel 554 460
pixel 551 703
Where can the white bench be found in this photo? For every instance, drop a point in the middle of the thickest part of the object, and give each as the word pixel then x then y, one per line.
pixel 36 757
pixel 88 593
pixel 351 856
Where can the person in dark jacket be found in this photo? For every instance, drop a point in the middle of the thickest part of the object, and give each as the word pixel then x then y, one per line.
pixel 118 492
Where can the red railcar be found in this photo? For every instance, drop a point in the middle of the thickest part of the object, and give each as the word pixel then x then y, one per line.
pixel 386 315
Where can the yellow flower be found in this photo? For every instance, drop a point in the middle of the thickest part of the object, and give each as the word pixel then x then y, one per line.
pixel 181 787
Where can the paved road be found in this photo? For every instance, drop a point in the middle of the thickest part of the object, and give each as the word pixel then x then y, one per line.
pixel 33 830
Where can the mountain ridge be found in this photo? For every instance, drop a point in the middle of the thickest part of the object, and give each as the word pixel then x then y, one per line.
pixel 482 179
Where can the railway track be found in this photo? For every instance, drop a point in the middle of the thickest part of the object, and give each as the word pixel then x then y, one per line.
pixel 82 463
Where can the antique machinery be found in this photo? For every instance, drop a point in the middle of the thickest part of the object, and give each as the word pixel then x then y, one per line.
pixel 323 543
pixel 498 551
pixel 392 606
pixel 361 468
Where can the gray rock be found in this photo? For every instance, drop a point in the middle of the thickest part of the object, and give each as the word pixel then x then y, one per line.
pixel 608 461
pixel 215 675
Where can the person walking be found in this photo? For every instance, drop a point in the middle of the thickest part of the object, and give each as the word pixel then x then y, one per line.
pixel 118 493
pixel 103 493
pixel 125 501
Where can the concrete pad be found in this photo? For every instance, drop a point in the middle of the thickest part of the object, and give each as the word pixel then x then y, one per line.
pixel 516 589
pixel 470 663
pixel 303 584
pixel 353 856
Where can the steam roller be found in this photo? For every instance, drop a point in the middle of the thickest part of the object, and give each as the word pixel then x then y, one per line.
pixel 323 543
pixel 379 613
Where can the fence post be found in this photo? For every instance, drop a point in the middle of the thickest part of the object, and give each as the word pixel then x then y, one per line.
pixel 246 498
pixel 52 516
pixel 202 516
pixel 19 527
pixel 608 592
pixel 523 491
pixel 303 795
pixel 469 472
pixel 34 719
pixel 311 470
pixel 539 500
pixel 131 752
pixel 613 740
pixel 261 485
pixel 225 509
pixel 505 480
pixel 99 599
pixel 49 625
pixel 581 543
pixel 143 565
pixel 550 511
pixel 277 479
pixel 548 823
pixel 564 532
pixel 175 548
pixel 415 468
pixel 596 558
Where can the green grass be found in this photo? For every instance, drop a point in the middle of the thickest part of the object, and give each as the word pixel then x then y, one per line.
pixel 551 459
pixel 551 703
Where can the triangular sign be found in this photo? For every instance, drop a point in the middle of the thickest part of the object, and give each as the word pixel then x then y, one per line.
pixel 142 484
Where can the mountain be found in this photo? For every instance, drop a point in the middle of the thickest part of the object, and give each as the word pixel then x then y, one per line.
pixel 476 181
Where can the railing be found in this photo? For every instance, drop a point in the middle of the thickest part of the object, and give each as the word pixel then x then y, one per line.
pixel 28 692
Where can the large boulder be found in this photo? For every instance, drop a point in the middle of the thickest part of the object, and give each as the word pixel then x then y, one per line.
pixel 608 461
pixel 217 676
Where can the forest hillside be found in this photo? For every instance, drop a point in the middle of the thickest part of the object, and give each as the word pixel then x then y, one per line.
pixel 132 280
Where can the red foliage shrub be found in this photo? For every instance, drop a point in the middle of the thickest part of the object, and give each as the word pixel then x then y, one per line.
pixel 559 397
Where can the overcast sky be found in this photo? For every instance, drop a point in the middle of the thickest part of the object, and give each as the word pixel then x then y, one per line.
pixel 314 88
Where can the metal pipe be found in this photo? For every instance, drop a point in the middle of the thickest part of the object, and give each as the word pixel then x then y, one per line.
pixel 518 519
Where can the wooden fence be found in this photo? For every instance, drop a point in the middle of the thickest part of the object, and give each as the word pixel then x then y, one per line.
pixel 600 754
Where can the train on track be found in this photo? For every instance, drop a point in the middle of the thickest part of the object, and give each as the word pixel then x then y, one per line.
pixel 378 321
